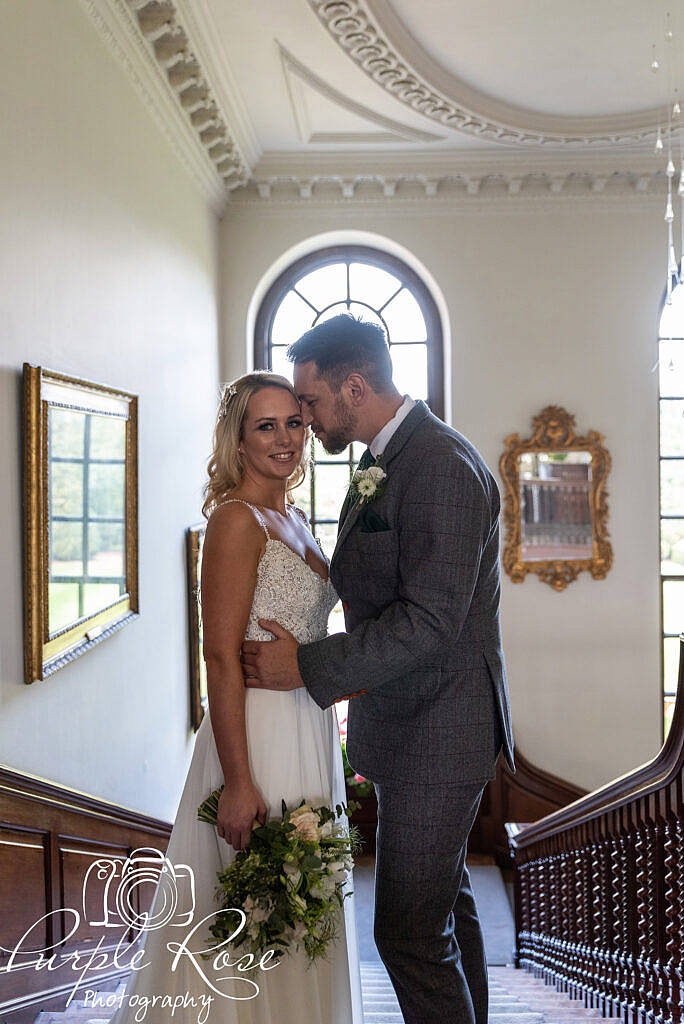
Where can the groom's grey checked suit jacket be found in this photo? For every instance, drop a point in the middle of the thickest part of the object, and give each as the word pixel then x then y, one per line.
pixel 422 618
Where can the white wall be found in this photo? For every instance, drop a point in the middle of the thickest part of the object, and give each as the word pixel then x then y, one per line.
pixel 554 306
pixel 109 271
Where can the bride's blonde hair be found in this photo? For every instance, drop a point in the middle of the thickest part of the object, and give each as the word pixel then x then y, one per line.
pixel 225 464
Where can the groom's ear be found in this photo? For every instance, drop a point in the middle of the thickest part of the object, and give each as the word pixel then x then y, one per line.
pixel 356 387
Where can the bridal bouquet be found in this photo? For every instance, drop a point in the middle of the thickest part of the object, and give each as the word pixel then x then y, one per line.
pixel 288 880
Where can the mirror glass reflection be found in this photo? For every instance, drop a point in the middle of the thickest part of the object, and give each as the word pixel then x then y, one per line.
pixel 86 523
pixel 555 509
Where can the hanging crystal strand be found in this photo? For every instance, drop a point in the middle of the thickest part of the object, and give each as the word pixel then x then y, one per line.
pixel 669 217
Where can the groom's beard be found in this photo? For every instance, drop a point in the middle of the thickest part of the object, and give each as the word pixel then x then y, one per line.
pixel 343 433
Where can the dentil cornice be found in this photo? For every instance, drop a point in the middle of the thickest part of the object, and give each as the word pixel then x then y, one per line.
pixel 149 39
pixel 374 37
pixel 391 177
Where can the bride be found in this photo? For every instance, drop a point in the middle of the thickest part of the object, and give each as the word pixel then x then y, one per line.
pixel 260 561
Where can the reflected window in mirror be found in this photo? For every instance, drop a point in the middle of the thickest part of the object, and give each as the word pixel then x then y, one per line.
pixel 555 505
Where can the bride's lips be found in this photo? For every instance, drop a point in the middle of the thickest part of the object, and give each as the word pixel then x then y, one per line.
pixel 283 457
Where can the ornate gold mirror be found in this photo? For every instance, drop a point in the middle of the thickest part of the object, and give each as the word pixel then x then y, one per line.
pixel 555 508
pixel 80 516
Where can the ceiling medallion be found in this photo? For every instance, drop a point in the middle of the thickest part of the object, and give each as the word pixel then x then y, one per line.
pixel 357 30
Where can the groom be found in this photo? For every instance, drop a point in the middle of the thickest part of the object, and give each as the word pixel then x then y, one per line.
pixel 417 567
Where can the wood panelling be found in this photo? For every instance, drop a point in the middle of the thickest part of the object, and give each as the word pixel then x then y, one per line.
pixel 527 795
pixel 51 840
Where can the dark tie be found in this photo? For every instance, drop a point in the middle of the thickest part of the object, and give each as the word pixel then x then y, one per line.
pixel 366 460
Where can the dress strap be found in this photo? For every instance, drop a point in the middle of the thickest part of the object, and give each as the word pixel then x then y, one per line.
pixel 254 509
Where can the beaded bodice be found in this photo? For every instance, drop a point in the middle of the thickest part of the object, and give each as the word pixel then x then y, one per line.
pixel 288 591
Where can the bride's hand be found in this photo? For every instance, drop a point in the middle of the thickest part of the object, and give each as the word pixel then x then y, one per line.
pixel 239 805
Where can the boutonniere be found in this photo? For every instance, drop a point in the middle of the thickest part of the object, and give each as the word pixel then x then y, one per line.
pixel 368 484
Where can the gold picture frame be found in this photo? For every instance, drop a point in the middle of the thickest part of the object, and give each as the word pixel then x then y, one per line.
pixel 80 516
pixel 576 530
pixel 194 540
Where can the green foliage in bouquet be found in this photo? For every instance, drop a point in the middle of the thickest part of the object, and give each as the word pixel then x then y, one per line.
pixel 288 880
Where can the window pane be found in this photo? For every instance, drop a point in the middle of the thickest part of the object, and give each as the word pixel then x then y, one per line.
pixel 62 605
pixel 359 311
pixel 673 606
pixel 66 552
pixel 324 285
pixel 672 487
pixel 671 664
pixel 332 483
pixel 671 428
pixel 106 549
pixel 66 498
pixel 672 317
pixel 106 490
pixel 280 363
pixel 99 595
pixel 66 433
pixel 107 437
pixel 371 284
pixel 292 319
pixel 672 547
pixel 404 319
pixel 671 368
pixel 410 370
pixel 327 534
pixel 301 496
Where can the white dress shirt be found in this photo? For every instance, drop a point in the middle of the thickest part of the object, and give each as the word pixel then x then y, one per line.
pixel 381 439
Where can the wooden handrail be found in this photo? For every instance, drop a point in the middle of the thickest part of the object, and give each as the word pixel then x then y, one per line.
pixel 599 890
pixel 648 778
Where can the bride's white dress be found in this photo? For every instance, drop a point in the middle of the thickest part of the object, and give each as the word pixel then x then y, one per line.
pixel 294 753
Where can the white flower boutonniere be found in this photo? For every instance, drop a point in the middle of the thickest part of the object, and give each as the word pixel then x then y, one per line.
pixel 368 484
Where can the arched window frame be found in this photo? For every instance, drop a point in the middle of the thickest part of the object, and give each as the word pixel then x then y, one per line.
pixel 668 693
pixel 322 524
pixel 377 258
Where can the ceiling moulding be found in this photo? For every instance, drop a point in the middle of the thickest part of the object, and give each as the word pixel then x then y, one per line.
pixel 148 39
pixel 574 186
pixel 374 37
pixel 299 78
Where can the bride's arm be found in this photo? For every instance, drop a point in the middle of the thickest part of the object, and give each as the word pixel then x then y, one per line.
pixel 232 546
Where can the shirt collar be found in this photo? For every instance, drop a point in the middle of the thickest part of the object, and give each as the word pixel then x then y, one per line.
pixel 381 439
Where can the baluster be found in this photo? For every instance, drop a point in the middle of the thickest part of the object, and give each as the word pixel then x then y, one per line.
pixel 566 917
pixel 671 867
pixel 525 925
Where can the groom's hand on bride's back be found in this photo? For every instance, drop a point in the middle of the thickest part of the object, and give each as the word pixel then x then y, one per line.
pixel 271 664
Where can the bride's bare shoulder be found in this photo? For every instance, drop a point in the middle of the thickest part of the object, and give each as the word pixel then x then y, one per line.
pixel 234 523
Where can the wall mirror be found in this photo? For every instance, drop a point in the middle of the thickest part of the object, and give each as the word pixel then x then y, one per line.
pixel 194 542
pixel 80 516
pixel 555 508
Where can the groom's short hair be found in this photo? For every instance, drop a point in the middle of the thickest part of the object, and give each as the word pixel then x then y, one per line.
pixel 343 345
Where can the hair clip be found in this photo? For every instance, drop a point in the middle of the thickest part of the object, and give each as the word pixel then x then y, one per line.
pixel 232 390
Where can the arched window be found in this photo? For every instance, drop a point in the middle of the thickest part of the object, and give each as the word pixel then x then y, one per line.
pixel 671 375
pixel 378 287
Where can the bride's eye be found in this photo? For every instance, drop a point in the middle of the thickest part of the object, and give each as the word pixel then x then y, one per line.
pixel 295 423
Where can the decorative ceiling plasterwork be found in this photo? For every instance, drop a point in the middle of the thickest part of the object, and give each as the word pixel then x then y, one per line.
pixel 389 130
pixel 374 37
pixel 161 27
pixel 395 177
pixel 150 43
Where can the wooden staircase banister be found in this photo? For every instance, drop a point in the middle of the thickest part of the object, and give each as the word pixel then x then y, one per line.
pixel 648 778
pixel 599 889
